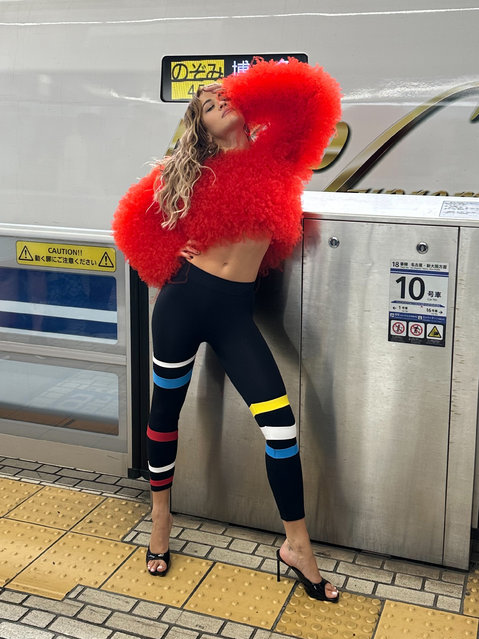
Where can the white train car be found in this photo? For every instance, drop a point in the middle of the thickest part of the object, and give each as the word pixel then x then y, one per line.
pixel 81 111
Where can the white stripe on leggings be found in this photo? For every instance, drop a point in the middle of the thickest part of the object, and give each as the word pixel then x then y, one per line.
pixel 279 432
pixel 173 364
pixel 161 469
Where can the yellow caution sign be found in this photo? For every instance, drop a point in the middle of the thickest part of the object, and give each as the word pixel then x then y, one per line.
pixel 435 333
pixel 80 257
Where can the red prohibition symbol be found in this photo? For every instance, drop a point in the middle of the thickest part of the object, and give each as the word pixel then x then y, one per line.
pixel 398 328
pixel 416 329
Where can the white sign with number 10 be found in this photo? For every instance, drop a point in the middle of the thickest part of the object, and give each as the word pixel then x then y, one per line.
pixel 418 297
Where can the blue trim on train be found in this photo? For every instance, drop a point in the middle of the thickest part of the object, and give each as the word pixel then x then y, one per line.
pixel 80 290
pixel 58 325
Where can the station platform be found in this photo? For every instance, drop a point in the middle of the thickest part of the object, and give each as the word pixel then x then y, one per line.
pixel 72 565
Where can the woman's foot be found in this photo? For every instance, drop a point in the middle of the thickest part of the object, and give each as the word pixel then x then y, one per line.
pixel 159 540
pixel 302 559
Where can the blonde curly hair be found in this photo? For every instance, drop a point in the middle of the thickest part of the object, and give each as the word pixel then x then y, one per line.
pixel 182 169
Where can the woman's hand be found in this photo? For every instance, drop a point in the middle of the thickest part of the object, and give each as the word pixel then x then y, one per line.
pixel 189 251
pixel 217 89
pixel 214 87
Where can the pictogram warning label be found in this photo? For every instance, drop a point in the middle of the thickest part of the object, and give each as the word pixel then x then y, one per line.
pixel 435 331
pixel 80 257
pixel 398 328
pixel 106 262
pixel 416 329
pixel 26 255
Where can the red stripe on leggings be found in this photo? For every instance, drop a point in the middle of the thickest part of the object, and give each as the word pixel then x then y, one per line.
pixel 161 482
pixel 161 437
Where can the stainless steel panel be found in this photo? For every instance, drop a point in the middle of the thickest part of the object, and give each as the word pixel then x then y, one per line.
pixel 220 470
pixel 375 414
pixel 464 413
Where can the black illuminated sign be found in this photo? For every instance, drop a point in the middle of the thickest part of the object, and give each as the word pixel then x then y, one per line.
pixel 182 76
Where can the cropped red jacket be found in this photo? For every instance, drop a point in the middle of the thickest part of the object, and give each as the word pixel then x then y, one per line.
pixel 251 191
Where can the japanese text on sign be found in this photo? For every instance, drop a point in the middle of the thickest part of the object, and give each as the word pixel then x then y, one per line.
pixel 418 302
pixel 187 76
pixel 182 76
pixel 90 258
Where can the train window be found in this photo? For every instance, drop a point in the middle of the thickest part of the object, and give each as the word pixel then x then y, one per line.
pixel 59 304
pixel 59 397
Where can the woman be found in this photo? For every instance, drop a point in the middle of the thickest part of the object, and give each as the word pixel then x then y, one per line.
pixel 221 209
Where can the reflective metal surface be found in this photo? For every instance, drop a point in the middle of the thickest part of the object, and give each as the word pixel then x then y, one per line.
pixel 387 430
pixel 464 406
pixel 375 414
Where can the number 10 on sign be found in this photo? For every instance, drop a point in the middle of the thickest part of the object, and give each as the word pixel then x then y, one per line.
pixel 418 299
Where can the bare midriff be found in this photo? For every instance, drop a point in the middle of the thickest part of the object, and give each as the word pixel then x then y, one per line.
pixel 238 262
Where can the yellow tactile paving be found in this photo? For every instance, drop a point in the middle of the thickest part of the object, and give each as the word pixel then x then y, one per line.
pixel 242 595
pixel 56 507
pixel 173 589
pixel 405 621
pixel 14 492
pixel 20 544
pixel 74 559
pixel 112 519
pixel 471 600
pixel 353 617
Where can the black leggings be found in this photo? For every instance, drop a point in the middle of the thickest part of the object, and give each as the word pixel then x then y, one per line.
pixel 195 307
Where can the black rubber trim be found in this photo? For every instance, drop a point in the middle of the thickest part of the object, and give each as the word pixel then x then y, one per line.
pixel 140 374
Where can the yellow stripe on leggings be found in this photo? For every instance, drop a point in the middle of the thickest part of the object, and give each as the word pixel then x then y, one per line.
pixel 272 404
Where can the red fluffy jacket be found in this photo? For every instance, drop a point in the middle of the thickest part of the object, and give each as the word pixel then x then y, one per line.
pixel 249 192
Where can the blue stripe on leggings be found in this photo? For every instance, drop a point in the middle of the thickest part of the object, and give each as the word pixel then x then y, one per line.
pixel 282 453
pixel 163 382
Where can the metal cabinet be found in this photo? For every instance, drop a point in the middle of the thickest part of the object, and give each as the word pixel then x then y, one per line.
pixel 375 414
pixel 387 430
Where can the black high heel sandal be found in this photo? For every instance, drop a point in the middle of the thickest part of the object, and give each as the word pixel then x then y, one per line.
pixel 316 591
pixel 158 556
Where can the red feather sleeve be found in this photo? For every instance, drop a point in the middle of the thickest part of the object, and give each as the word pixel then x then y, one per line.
pixel 299 104
pixel 150 249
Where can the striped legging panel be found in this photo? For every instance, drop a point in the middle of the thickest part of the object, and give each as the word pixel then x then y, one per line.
pixel 171 381
pixel 276 421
